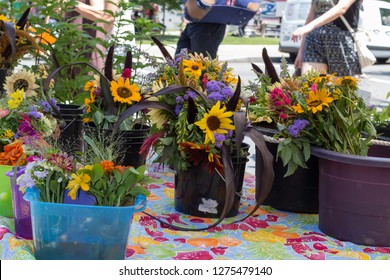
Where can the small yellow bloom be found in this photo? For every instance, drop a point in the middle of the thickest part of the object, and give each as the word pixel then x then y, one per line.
pixel 8 134
pixel 4 18
pixel 78 181
pixel 298 108
pixel 16 98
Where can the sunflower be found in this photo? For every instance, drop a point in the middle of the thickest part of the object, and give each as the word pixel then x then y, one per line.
pixel 89 101
pixel 193 68
pixel 90 86
pixel 79 181
pixel 124 92
pixel 215 121
pixel 316 100
pixel 23 79
pixel 16 98
pixel 349 82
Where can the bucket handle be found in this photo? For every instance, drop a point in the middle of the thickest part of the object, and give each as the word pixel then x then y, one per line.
pixel 140 203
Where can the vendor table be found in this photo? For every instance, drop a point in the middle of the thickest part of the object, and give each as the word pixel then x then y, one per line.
pixel 270 234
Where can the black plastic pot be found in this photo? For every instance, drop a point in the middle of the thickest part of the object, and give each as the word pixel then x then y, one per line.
pixel 297 192
pixel 354 196
pixel 72 128
pixel 196 188
pixel 383 132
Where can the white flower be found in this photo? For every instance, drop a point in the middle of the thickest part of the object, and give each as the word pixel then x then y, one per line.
pixel 208 206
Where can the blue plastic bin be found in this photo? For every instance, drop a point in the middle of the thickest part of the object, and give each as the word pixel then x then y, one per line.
pixel 80 232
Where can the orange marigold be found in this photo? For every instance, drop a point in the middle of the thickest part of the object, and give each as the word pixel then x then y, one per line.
pixel 12 153
pixel 121 168
pixel 107 165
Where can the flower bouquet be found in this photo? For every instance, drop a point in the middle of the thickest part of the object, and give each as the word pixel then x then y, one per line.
pixel 87 203
pixel 197 128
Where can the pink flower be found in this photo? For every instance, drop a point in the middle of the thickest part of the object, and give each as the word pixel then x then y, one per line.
pixel 126 73
pixel 4 113
pixel 314 88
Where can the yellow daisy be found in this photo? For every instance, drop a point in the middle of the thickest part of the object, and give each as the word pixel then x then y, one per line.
pixel 349 81
pixel 89 101
pixel 124 92
pixel 298 108
pixel 90 86
pixel 23 79
pixel 78 181
pixel 193 68
pixel 16 99
pixel 316 100
pixel 217 120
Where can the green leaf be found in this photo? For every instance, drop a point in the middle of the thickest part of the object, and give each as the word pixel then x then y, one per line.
pixel 138 189
pixel 97 172
pixel 306 151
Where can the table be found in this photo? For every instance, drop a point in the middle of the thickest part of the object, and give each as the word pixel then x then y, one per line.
pixel 271 234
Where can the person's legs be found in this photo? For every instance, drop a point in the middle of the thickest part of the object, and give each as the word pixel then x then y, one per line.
pixel 310 66
pixel 206 37
pixel 184 41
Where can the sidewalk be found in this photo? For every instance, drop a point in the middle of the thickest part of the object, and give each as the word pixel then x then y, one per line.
pixel 231 53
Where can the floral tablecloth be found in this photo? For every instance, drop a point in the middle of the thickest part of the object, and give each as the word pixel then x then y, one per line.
pixel 271 234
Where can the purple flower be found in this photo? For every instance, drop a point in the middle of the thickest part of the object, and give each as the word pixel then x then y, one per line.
pixel 216 95
pixel 227 92
pixel 54 103
pixel 297 126
pixel 191 94
pixel 25 128
pixel 179 100
pixel 219 138
pixel 213 86
pixel 46 106
pixel 178 108
pixel 35 115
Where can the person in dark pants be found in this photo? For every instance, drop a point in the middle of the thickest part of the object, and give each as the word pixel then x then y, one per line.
pixel 202 38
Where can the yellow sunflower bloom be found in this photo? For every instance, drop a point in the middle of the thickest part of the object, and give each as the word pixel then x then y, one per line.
pixel 78 181
pixel 89 101
pixel 316 100
pixel 349 81
pixel 124 92
pixel 193 68
pixel 16 99
pixel 23 79
pixel 217 120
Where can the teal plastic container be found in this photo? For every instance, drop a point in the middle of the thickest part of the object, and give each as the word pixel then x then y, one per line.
pixel 80 232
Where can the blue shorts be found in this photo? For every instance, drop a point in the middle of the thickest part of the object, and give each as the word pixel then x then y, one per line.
pixel 334 47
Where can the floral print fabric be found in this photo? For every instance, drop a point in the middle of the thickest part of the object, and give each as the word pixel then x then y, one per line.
pixel 271 234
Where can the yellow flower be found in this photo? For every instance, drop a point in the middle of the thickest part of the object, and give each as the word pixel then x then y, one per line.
pixel 215 121
pixel 193 68
pixel 298 108
pixel 23 79
pixel 16 99
pixel 8 134
pixel 123 92
pixel 90 86
pixel 349 81
pixel 316 100
pixel 230 78
pixel 4 18
pixel 78 181
pixel 88 101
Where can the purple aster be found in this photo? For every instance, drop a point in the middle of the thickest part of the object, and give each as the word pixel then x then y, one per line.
pixel 179 100
pixel 297 126
pixel 178 109
pixel 213 86
pixel 54 103
pixel 35 115
pixel 46 106
pixel 216 95
pixel 219 138
pixel 191 94
pixel 227 92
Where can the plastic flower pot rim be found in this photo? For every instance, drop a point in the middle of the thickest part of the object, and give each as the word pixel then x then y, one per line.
pixel 350 159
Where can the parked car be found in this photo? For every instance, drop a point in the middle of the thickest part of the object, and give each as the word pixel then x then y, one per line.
pixel 376 22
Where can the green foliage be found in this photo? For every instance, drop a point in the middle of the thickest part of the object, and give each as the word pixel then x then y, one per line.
pixel 116 188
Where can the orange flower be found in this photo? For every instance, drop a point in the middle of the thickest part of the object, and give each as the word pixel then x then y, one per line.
pixel 107 165
pixel 121 168
pixel 12 153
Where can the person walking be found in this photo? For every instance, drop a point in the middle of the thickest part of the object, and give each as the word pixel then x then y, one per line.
pixel 206 37
pixel 326 44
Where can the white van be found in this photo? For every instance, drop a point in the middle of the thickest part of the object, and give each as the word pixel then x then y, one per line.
pixel 376 23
